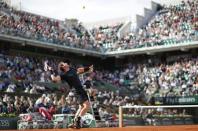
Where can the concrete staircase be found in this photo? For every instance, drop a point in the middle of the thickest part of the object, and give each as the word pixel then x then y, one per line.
pixel 148 14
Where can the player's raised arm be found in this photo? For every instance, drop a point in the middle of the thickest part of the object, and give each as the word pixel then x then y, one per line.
pixel 54 78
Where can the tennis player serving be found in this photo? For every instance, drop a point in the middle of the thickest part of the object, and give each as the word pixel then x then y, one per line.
pixel 71 76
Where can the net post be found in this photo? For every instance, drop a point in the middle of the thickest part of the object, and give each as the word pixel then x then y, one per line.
pixel 120 117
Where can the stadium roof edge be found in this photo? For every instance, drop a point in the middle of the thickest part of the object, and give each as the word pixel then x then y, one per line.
pixel 49 45
pixel 156 49
pixel 116 54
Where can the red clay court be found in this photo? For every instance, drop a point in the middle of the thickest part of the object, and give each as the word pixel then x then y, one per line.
pixel 134 128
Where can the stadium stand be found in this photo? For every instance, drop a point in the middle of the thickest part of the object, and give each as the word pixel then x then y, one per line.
pixel 31 26
pixel 181 18
pixel 106 34
pixel 179 78
pixel 171 25
pixel 26 88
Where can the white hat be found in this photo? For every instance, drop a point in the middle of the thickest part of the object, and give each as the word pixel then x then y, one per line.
pixel 44 95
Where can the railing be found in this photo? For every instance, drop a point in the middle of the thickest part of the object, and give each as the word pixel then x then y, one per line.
pixel 144 50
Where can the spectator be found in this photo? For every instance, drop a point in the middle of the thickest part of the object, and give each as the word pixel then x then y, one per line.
pixel 11 88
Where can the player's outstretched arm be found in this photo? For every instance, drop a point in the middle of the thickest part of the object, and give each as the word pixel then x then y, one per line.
pixel 85 69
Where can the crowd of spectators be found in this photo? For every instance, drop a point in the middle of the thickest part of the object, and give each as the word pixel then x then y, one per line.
pixel 23 72
pixel 171 25
pixel 118 77
pixel 31 26
pixel 21 69
pixel 51 103
pixel 174 79
pixel 106 34
pixel 16 104
pixel 178 78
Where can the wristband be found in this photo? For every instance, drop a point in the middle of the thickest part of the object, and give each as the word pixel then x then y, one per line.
pixel 51 76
